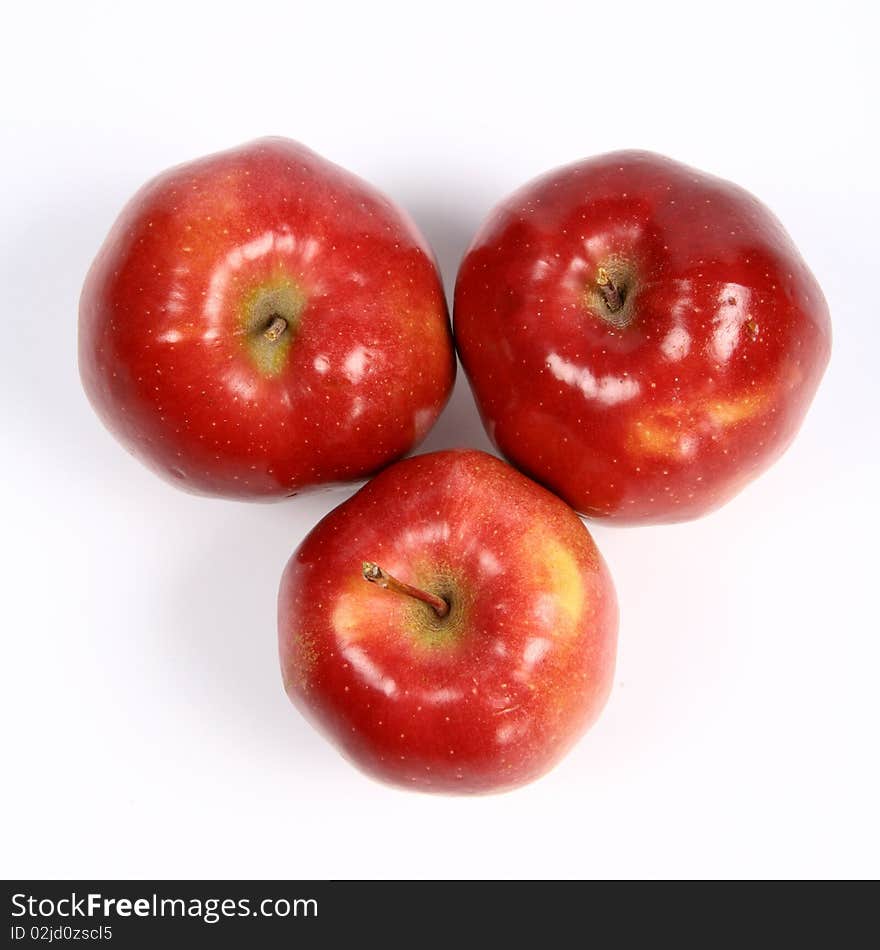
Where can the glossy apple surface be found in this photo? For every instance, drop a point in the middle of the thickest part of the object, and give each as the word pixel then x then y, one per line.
pixel 260 321
pixel 642 338
pixel 485 698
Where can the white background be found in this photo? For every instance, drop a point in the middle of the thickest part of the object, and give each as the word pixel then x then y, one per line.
pixel 147 733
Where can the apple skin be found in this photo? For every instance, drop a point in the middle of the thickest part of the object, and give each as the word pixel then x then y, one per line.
pixel 664 409
pixel 495 693
pixel 173 349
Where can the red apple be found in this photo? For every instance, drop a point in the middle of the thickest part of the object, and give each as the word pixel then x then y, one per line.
pixel 484 646
pixel 640 337
pixel 261 321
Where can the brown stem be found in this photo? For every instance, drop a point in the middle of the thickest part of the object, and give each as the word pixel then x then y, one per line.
pixel 611 295
pixel 276 327
pixel 375 574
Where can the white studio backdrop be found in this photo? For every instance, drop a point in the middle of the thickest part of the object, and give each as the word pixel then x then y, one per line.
pixel 146 733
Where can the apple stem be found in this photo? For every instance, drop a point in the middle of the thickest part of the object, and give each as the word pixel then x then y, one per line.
pixel 610 293
pixel 276 327
pixel 375 575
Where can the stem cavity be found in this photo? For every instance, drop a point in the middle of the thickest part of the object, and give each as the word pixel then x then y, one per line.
pixel 375 575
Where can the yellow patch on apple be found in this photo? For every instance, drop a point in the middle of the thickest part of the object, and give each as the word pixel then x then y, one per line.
pixel 559 578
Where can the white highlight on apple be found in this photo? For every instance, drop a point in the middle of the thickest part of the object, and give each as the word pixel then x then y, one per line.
pixel 732 313
pixel 356 363
pixel 535 650
pixel 608 390
pixel 370 672
pixel 676 344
